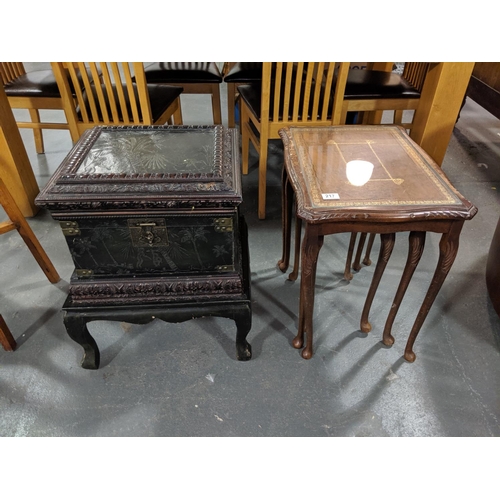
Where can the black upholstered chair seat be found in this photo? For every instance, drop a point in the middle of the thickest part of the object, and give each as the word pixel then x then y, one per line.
pixel 33 84
pixel 160 98
pixel 369 84
pixel 183 72
pixel 244 72
pixel 41 83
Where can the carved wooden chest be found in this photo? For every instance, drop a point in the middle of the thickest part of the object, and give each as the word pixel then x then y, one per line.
pixel 151 217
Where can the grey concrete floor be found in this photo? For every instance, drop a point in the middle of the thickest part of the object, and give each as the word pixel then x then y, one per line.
pixel 183 379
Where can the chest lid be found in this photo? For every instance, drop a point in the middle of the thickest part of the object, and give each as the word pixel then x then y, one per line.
pixel 147 167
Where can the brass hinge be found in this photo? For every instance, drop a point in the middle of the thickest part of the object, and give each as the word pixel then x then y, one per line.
pixel 84 273
pixel 223 225
pixel 69 228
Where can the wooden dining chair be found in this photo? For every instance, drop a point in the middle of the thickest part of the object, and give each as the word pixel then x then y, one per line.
pixel 122 96
pixel 32 91
pixel 235 74
pixel 193 77
pixel 290 94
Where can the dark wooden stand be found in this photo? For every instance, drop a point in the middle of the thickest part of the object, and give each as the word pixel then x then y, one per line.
pixel 151 218
pixel 76 317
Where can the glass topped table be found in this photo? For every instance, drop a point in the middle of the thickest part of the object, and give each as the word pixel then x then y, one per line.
pixel 367 179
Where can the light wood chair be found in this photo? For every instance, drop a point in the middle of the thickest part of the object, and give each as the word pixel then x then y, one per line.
pixel 121 98
pixel 33 91
pixel 17 221
pixel 193 77
pixel 290 94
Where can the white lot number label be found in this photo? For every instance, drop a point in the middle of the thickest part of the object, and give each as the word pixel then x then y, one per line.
pixel 330 196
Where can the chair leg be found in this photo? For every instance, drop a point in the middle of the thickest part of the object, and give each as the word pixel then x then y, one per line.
pixel 245 139
pixel 231 95
pixel 29 237
pixel 178 113
pixel 216 111
pixel 6 339
pixel 398 117
pixel 37 133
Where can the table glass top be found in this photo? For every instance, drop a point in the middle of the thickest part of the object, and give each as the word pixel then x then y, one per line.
pixel 151 151
pixel 334 165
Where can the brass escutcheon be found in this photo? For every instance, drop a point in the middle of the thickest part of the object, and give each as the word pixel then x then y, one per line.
pixel 148 232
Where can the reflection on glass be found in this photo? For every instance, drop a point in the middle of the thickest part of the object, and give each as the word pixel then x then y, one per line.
pixel 161 151
pixel 359 172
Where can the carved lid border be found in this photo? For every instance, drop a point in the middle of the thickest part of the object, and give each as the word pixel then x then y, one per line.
pixel 88 139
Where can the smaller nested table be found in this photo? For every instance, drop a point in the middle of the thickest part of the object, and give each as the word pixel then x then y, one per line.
pixel 334 193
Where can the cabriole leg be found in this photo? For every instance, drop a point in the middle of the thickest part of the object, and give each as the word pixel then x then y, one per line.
pixel 76 326
pixel 448 248
pixel 415 249
pixel 309 258
pixel 387 244
pixel 243 325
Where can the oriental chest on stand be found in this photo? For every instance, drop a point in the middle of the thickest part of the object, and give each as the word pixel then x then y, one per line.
pixel 151 218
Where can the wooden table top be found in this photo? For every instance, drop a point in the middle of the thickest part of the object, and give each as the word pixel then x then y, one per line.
pixel 405 182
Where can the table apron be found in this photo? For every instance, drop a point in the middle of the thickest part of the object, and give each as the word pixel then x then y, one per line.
pixel 333 227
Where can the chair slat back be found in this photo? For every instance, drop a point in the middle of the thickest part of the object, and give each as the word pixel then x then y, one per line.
pixel 415 73
pixel 10 71
pixel 303 93
pixel 113 94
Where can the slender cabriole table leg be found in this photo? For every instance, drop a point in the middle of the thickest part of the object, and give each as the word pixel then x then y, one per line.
pixel 448 248
pixel 357 260
pixel 387 244
pixel 415 249
pixel 313 241
pixel 286 202
pixel 371 239
pixel 296 256
pixel 347 270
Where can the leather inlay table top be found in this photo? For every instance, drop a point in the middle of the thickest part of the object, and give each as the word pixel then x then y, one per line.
pixel 403 176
